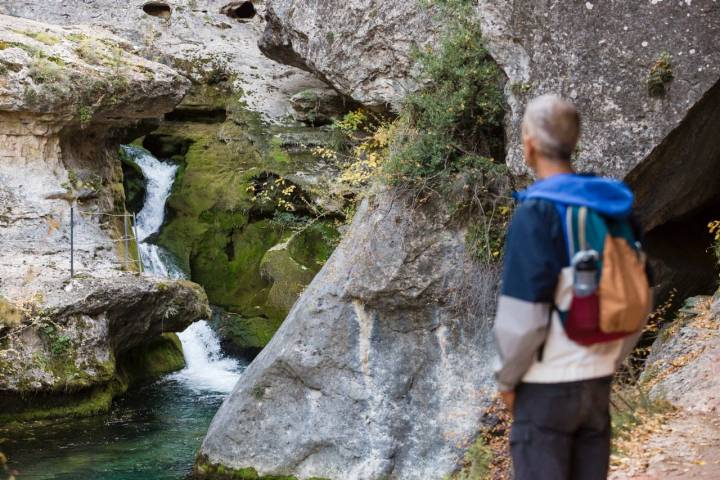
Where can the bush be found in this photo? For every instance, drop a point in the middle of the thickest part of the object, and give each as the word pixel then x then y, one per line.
pixel 714 229
pixel 47 70
pixel 448 140
pixel 455 123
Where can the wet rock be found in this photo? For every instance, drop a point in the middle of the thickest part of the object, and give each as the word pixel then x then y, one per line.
pixel 383 359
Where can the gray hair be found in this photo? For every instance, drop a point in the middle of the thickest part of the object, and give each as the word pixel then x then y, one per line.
pixel 554 124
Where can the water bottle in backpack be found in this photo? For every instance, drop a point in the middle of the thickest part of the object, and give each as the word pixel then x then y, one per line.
pixel 585 272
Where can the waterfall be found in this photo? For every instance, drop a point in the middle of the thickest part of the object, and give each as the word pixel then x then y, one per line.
pixel 207 370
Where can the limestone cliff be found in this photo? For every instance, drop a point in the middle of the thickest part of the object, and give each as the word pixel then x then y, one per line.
pixel 644 76
pixel 362 48
pixel 209 43
pixel 66 96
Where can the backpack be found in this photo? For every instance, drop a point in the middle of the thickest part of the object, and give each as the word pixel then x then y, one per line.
pixel 606 251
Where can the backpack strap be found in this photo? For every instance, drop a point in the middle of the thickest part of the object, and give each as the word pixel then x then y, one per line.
pixel 576 229
pixel 582 227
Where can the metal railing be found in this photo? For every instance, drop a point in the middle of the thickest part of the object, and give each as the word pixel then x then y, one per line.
pixel 129 235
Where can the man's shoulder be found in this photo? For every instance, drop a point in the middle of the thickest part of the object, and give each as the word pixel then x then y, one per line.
pixel 536 209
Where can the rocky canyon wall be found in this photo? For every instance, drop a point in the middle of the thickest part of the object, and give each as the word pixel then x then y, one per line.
pixel 66 96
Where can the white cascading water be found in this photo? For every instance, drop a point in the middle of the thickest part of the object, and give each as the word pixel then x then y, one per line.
pixel 207 370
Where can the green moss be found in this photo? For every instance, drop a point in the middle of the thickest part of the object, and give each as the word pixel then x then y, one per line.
pixel 204 470
pixel 246 336
pixel 77 37
pixel 43 37
pixel 90 388
pixel 228 193
pixel 85 403
pixel 313 245
pixel 288 278
pixel 478 459
pixel 152 360
pixel 661 73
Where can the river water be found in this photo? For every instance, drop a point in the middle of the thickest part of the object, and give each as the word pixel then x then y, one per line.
pixel 153 431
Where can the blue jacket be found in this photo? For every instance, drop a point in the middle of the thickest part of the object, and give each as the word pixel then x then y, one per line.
pixel 536 262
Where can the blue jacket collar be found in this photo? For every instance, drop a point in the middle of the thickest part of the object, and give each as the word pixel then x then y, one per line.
pixel 605 195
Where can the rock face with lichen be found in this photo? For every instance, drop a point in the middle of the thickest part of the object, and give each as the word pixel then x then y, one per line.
pixel 362 48
pixel 211 41
pixel 66 96
pixel 647 90
pixel 380 370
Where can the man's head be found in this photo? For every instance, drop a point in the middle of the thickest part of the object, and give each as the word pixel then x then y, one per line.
pixel 550 130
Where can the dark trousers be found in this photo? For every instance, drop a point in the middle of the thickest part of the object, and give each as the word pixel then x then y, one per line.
pixel 562 431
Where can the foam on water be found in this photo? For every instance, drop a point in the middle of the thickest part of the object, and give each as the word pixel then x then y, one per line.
pixel 207 368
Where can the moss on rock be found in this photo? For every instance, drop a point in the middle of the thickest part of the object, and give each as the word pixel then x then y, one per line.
pixel 244 336
pixel 205 470
pixel 221 223
pixel 313 245
pixel 158 357
pixel 134 183
pixel 288 277
pixel 151 360
pixel 84 403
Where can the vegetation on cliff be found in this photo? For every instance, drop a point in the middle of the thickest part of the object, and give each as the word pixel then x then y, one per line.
pixel 448 140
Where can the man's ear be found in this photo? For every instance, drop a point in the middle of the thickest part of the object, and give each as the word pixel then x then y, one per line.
pixel 530 152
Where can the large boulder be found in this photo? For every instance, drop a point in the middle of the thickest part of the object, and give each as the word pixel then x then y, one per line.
pixel 81 342
pixel 377 373
pixel 381 370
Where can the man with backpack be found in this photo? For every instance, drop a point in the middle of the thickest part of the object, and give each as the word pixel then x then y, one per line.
pixel 574 300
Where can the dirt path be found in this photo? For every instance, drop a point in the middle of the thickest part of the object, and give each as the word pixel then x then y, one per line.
pixel 684 446
pixel 685 370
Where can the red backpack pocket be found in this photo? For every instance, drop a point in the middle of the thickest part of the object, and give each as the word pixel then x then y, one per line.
pixel 582 324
